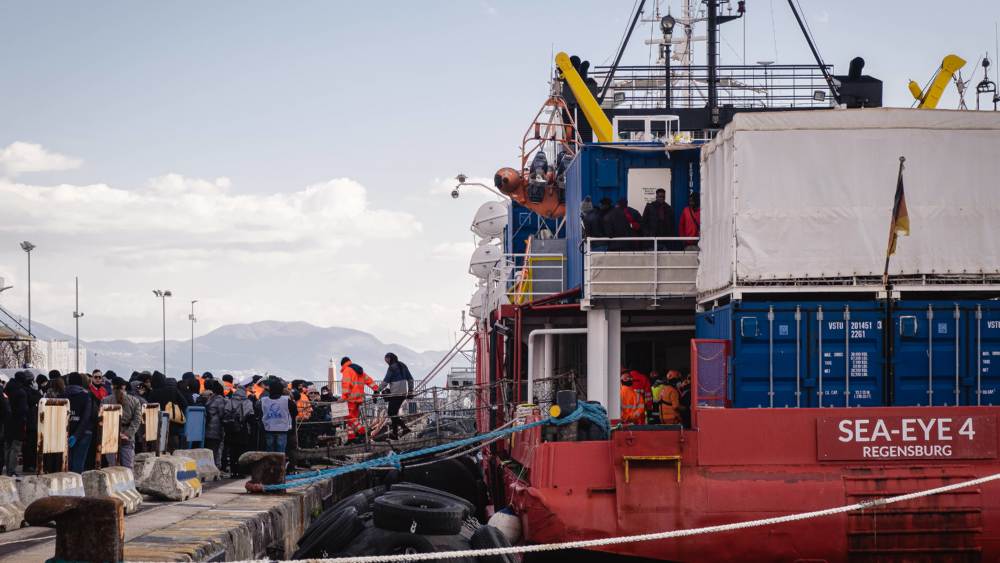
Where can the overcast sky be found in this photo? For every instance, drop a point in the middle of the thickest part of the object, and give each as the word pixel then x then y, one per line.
pixel 292 160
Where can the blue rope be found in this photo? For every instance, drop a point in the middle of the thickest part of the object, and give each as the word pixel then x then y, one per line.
pixel 593 412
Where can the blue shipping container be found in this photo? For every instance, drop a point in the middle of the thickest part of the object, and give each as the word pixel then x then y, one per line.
pixel 943 352
pixel 602 171
pixel 801 354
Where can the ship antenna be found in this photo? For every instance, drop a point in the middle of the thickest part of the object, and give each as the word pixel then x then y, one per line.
pixel 621 51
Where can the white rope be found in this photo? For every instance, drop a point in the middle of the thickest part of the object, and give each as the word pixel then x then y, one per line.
pixel 582 544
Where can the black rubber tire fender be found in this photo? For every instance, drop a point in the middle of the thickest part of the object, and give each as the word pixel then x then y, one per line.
pixel 418 513
pixel 488 537
pixel 332 537
pixel 414 487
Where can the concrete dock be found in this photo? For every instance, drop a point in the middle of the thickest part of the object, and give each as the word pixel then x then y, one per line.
pixel 224 523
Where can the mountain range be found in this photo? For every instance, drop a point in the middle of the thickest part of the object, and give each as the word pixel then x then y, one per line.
pixel 291 350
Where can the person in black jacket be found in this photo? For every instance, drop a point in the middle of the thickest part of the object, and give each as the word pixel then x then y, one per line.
pixel 82 421
pixel 164 392
pixel 658 221
pixel 4 413
pixel 29 447
pixel 621 222
pixel 396 388
pixel 15 426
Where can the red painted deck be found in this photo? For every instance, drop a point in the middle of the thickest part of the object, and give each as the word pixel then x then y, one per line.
pixel 745 464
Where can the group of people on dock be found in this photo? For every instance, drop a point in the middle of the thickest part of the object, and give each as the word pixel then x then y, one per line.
pixel 245 414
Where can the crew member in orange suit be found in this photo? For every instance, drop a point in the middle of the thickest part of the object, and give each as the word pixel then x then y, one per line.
pixel 642 384
pixel 353 383
pixel 632 403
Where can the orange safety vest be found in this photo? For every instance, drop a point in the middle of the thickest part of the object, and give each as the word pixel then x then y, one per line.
pixel 304 408
pixel 201 383
pixel 353 384
pixel 258 390
pixel 633 406
pixel 227 388
pixel 669 400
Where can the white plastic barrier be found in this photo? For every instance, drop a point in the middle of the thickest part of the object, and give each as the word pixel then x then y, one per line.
pixel 205 460
pixel 11 507
pixel 108 424
pixel 151 423
pixel 169 477
pixel 117 482
pixel 53 420
pixel 33 487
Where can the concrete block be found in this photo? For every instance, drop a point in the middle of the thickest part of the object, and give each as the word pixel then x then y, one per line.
pixel 171 477
pixel 11 507
pixel 116 482
pixel 142 465
pixel 203 457
pixel 33 487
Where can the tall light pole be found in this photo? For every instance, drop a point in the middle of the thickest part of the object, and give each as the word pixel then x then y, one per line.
pixel 162 295
pixel 667 26
pixel 76 317
pixel 193 320
pixel 27 247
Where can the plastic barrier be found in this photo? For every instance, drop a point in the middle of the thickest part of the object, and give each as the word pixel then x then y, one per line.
pixel 53 420
pixel 205 461
pixel 194 425
pixel 117 482
pixel 11 507
pixel 108 422
pixel 151 423
pixel 164 431
pixel 170 477
pixel 33 487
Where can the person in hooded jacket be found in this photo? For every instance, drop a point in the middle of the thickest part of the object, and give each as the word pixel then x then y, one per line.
pixel 29 447
pixel 277 411
pixel 82 421
pixel 4 413
pixel 128 424
pixel 165 392
pixel 15 426
pixel 237 420
pixel 623 222
pixel 396 388
pixel 215 403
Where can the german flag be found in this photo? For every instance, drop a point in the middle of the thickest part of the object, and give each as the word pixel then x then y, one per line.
pixel 900 218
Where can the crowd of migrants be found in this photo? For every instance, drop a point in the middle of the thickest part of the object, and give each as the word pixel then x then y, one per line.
pixel 656 220
pixel 655 399
pixel 248 414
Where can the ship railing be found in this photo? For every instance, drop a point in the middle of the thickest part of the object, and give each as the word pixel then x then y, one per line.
pixel 739 86
pixel 650 268
pixel 530 276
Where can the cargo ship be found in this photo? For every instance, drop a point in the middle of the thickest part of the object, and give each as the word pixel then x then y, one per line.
pixel 824 370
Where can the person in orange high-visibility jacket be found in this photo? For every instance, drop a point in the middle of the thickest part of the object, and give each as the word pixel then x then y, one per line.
pixel 642 384
pixel 668 399
pixel 353 383
pixel 304 406
pixel 633 405
pixel 227 384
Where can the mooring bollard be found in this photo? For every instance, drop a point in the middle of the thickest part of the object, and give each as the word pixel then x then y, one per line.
pixel 265 468
pixel 87 529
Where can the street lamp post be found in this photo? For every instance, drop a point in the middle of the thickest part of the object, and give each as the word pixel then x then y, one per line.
pixel 76 318
pixel 462 181
pixel 162 295
pixel 27 247
pixel 667 26
pixel 193 320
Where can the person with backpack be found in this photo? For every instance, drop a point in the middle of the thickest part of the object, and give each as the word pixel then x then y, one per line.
pixel 396 388
pixel 237 420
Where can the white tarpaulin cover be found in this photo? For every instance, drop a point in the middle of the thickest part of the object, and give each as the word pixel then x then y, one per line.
pixel 808 195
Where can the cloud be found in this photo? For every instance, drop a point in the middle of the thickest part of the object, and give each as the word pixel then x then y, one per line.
pixel 453 250
pixel 19 157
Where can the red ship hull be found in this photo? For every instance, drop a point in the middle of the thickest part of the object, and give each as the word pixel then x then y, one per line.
pixel 747 464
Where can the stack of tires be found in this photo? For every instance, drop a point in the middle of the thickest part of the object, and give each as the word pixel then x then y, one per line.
pixel 406 518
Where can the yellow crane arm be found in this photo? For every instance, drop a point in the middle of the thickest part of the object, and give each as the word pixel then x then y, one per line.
pixel 945 73
pixel 591 109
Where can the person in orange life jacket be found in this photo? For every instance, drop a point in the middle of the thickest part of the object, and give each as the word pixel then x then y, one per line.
pixel 632 404
pixel 641 384
pixel 669 399
pixel 657 381
pixel 621 222
pixel 691 219
pixel 353 382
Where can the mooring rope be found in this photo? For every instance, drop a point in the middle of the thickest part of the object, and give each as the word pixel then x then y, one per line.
pixel 584 544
